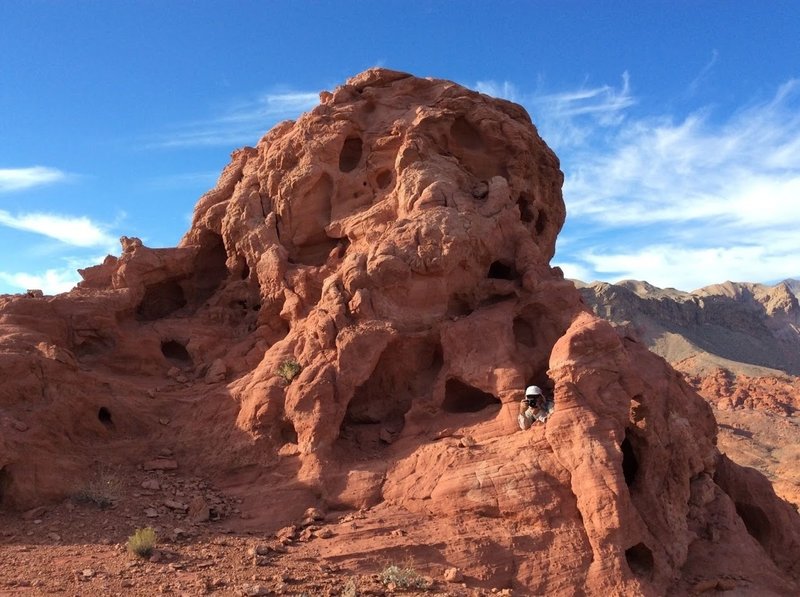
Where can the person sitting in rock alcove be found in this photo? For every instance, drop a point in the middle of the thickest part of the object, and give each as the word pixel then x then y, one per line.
pixel 534 407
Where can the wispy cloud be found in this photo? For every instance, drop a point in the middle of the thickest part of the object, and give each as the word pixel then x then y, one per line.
pixel 688 201
pixel 77 231
pixel 703 74
pixel 243 123
pixel 51 281
pixel 18 179
pixel 567 119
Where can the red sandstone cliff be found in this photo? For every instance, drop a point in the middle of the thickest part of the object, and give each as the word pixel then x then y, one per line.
pixel 394 243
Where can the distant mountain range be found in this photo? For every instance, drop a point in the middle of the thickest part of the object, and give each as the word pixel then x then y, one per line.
pixel 748 329
pixel 738 344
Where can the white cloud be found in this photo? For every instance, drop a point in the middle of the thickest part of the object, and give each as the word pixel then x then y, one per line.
pixel 576 271
pixel 688 268
pixel 503 89
pixel 685 201
pixel 52 281
pixel 17 179
pixel 244 123
pixel 76 231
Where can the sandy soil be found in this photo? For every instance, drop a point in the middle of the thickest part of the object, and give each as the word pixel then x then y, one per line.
pixel 78 547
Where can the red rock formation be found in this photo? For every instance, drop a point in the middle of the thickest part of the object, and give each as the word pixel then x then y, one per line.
pixel 349 324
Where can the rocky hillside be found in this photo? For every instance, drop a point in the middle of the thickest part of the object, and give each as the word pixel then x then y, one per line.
pixel 738 344
pixel 348 326
pixel 744 328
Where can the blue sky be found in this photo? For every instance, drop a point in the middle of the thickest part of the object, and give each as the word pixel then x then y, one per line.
pixel 677 123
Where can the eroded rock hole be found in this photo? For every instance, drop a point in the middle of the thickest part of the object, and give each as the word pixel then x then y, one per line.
pixel 384 179
pixel 405 370
pixel 525 212
pixel 176 352
pixel 541 223
pixel 640 560
pixel 5 482
pixel 463 398
pixel 288 432
pixel 94 345
pixel 458 307
pixel 466 135
pixel 245 271
pixel 502 271
pixel 104 416
pixel 524 333
pixel 756 522
pixel 350 155
pixel 630 465
pixel 160 299
pixel 209 266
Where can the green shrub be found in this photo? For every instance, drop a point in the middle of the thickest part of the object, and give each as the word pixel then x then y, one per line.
pixel 288 370
pixel 403 578
pixel 142 542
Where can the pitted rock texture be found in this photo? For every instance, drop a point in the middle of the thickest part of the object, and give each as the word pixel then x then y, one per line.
pixel 349 324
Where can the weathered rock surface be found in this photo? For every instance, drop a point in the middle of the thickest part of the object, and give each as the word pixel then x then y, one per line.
pixel 362 291
pixel 738 345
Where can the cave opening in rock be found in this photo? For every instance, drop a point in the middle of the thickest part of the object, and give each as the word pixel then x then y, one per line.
pixel 104 416
pixel 525 212
pixel 463 398
pixel 210 268
pixel 384 179
pixel 630 464
pixel 288 432
pixel 350 155
pixel 523 332
pixel 175 352
pixel 755 521
pixel 5 482
pixel 93 345
pixel 161 299
pixel 245 268
pixel 405 371
pixel 640 560
pixel 499 270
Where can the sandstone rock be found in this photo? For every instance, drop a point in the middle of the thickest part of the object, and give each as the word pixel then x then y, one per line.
pixel 388 252
pixel 216 372
pixel 175 505
pixel 151 484
pixel 160 464
pixel 453 575
pixel 314 514
pixel 254 590
pixel 199 510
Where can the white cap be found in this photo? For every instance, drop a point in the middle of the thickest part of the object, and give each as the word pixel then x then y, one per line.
pixel 533 391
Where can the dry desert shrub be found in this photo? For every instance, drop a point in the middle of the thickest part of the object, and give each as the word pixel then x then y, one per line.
pixel 102 490
pixel 288 370
pixel 403 578
pixel 142 542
